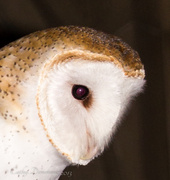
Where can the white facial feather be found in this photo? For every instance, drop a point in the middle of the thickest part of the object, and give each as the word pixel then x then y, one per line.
pixel 84 131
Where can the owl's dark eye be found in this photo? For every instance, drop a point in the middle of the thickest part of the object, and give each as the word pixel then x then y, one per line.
pixel 80 92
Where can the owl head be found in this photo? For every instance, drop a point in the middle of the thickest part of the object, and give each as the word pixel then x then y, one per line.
pixel 84 88
pixel 84 80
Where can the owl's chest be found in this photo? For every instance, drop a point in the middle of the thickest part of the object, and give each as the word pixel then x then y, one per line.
pixel 26 155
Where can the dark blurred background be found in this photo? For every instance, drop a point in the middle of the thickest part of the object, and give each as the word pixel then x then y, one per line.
pixel 140 150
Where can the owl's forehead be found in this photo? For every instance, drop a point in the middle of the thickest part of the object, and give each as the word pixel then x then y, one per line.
pixel 96 42
pixel 52 41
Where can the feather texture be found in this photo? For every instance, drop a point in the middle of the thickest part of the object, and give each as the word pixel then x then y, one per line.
pixel 44 128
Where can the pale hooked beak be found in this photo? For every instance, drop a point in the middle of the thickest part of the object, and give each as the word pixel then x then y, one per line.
pixel 92 149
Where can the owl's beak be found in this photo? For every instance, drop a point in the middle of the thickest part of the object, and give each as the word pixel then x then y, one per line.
pixel 90 154
pixel 92 149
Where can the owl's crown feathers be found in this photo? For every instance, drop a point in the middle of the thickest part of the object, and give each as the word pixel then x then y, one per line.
pixel 80 38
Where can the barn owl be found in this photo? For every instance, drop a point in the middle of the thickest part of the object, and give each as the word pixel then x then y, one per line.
pixel 62 94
